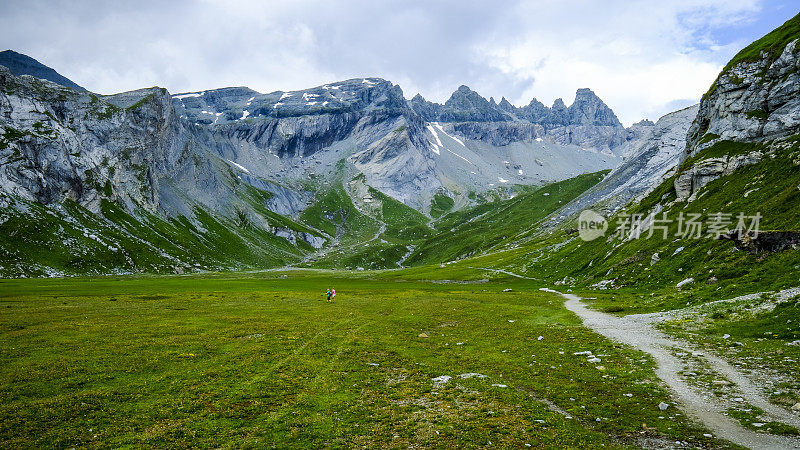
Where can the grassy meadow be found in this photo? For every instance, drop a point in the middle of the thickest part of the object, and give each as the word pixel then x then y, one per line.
pixel 261 360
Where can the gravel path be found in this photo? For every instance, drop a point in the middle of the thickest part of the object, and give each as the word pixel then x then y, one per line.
pixel 638 331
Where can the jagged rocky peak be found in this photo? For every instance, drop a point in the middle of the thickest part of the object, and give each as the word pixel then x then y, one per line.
pixel 645 123
pixel 559 113
pixel 429 111
pixel 535 112
pixel 505 105
pixel 640 129
pixel 20 64
pixel 465 98
pixel 588 109
pixel 757 94
pixel 466 105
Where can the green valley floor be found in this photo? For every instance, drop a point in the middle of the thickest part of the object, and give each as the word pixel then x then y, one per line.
pixel 262 360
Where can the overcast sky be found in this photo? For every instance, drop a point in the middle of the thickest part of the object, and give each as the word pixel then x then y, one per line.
pixel 643 58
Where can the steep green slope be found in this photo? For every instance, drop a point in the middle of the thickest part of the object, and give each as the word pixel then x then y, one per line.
pixel 374 235
pixel 40 241
pixel 718 268
pixel 473 231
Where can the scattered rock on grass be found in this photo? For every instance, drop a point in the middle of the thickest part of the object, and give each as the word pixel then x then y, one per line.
pixel 655 258
pixel 471 375
pixel 438 381
pixel 663 406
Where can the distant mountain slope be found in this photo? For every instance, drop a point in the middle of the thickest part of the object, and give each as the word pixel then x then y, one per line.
pixel 20 64
pixel 724 222
pixel 651 159
pixel 345 174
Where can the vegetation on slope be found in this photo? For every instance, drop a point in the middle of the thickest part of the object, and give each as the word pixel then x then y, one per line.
pixel 719 268
pixel 38 241
pixel 474 231
pixel 770 46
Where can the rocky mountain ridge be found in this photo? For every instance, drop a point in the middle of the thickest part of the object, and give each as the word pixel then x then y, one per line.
pixel 20 64
pixel 252 164
pixel 588 122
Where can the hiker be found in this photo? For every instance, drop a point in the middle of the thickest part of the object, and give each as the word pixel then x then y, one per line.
pixel 329 294
pixel 333 294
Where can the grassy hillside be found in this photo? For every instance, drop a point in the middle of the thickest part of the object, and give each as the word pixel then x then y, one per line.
pixel 398 235
pixel 40 241
pixel 491 225
pixel 719 269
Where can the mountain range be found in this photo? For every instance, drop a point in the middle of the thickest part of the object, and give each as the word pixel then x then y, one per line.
pixel 268 161
pixel 349 174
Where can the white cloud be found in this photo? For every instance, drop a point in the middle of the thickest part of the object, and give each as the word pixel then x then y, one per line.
pixel 641 57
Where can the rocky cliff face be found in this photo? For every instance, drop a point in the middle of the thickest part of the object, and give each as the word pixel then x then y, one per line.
pixel 692 179
pixel 61 144
pixel 756 95
pixel 756 98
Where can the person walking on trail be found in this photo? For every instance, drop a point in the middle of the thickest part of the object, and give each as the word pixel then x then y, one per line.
pixel 329 294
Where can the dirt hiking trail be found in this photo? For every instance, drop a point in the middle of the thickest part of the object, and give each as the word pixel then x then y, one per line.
pixel 638 331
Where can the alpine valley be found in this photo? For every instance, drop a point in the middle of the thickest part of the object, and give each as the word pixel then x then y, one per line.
pixel 509 275
pixel 232 179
